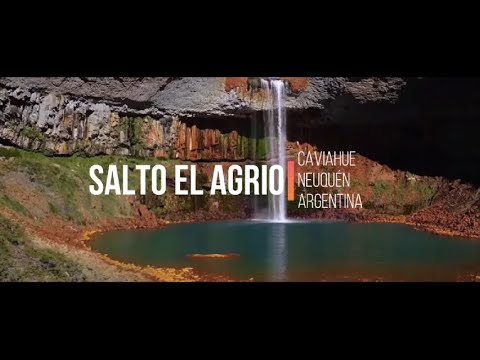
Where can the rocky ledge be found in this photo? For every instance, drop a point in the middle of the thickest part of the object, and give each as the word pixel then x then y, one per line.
pixel 180 118
pixel 201 95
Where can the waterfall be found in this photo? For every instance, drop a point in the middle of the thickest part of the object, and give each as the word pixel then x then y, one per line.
pixel 275 122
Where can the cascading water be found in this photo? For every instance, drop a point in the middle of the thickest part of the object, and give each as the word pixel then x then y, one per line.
pixel 275 122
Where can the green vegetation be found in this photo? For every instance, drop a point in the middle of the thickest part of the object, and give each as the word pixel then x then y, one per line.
pixel 9 152
pixel 32 133
pixel 53 209
pixel 134 129
pixel 5 200
pixel 379 187
pixel 66 180
pixel 261 148
pixel 395 197
pixel 161 205
pixel 242 147
pixel 426 190
pixel 252 149
pixel 20 260
pixel 229 203
pixel 171 152
pixel 369 205
pixel 81 154
pixel 48 153
pixel 401 196
pixel 137 149
pixel 246 147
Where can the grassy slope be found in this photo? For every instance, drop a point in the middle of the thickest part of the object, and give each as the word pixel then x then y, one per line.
pixel 40 188
pixel 20 260
pixel 36 187
pixel 60 185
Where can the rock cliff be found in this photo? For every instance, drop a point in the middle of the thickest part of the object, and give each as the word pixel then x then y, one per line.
pixel 164 117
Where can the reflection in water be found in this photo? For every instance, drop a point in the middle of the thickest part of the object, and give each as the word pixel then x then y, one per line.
pixel 278 243
pixel 310 251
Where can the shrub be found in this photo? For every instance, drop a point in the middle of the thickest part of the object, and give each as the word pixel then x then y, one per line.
pixel 48 152
pixel 32 133
pixel 53 209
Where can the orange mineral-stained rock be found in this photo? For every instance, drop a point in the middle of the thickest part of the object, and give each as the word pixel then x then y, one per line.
pixel 297 84
pixel 62 149
pixel 194 143
pixel 160 153
pixel 216 137
pixel 143 211
pixel 153 134
pixel 181 140
pixel 233 138
pixel 188 142
pixel 213 256
pixel 114 119
pixel 240 84
pixel 236 83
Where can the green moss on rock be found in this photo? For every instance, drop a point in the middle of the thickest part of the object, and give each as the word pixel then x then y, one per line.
pixel 32 133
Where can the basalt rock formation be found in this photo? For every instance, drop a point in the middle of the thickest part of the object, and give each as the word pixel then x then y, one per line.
pixel 182 118
pixel 412 124
pixel 202 95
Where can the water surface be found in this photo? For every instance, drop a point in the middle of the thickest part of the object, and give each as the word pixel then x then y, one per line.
pixel 304 251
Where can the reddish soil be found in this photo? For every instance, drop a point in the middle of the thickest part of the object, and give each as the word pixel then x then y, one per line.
pixel 213 256
pixel 456 208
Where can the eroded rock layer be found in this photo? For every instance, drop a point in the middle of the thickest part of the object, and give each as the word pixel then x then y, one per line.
pixel 162 117
pixel 61 125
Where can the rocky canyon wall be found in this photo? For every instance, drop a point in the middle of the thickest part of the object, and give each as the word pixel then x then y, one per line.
pixel 181 118
pixel 424 125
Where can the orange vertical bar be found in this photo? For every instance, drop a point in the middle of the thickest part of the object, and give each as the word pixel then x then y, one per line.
pixel 290 181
